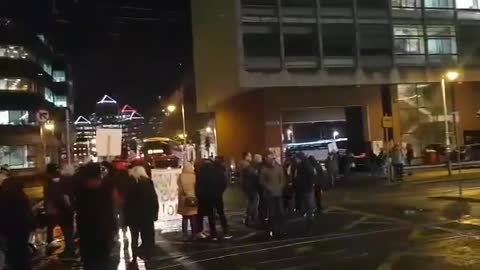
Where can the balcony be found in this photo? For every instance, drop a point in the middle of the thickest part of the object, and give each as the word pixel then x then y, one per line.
pixel 410 60
pixel 407 13
pixel 439 14
pixel 339 61
pixel 301 62
pixel 443 60
pixel 376 61
pixel 262 63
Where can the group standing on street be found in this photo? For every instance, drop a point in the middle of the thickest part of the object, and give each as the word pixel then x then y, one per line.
pixel 97 198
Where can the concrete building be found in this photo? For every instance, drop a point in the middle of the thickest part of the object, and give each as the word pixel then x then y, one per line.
pixel 33 77
pixel 261 65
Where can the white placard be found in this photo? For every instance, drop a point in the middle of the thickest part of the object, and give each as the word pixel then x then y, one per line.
pixel 377 146
pixel 109 142
pixel 165 182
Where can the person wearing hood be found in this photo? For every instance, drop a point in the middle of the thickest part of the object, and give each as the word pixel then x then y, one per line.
pixel 95 217
pixel 187 201
pixel 16 223
pixel 141 211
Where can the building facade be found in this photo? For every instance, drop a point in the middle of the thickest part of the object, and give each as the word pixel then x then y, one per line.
pixel 278 62
pixel 33 77
pixel 108 115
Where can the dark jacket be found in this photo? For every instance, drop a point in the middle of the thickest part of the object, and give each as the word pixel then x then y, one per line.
pixel 211 181
pixel 57 196
pixel 95 217
pixel 250 179
pixel 305 176
pixel 141 202
pixel 16 217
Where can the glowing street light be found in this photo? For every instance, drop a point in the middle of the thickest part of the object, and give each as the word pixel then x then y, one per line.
pixel 171 108
pixel 208 129
pixel 451 76
pixel 50 126
pixel 335 134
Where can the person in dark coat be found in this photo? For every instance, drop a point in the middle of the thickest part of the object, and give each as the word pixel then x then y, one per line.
pixel 304 182
pixel 53 199
pixel 318 183
pixel 16 223
pixel 209 188
pixel 250 183
pixel 95 217
pixel 141 211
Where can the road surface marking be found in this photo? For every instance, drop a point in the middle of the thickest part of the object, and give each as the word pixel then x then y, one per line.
pixel 396 220
pixel 281 260
pixel 356 222
pixel 180 263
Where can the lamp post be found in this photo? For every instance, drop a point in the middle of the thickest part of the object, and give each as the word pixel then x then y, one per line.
pixel 171 109
pixel 450 76
pixel 50 126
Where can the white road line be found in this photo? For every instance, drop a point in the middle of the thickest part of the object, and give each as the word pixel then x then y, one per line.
pixel 249 235
pixel 281 260
pixel 356 222
pixel 394 219
pixel 184 263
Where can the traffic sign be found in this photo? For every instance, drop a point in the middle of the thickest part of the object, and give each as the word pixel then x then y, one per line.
pixel 43 116
pixel 387 122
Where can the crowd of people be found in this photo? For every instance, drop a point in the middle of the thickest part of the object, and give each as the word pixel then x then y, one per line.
pixel 93 203
pixel 200 195
pixel 275 191
pixel 97 198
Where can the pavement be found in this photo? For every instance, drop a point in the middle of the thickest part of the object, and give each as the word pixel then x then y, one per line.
pixel 365 225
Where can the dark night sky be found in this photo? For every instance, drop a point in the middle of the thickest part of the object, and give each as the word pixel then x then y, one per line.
pixel 130 49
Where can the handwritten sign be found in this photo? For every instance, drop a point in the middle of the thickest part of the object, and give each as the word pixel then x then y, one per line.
pixel 165 182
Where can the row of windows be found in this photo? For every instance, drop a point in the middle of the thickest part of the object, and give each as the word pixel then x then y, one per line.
pixel 460 4
pixel 410 39
pixel 14 118
pixel 20 52
pixel 17 84
pixel 14 52
pixel 262 43
pixel 18 157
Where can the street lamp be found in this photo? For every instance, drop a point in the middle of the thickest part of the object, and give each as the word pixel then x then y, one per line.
pixel 208 130
pixel 50 126
pixel 450 76
pixel 335 134
pixel 171 109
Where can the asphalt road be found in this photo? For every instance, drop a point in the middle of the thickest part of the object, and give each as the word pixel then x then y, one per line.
pixel 371 226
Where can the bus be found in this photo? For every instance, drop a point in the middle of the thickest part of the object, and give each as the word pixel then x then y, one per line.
pixel 161 152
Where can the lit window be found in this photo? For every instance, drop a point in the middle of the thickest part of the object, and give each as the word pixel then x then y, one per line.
pixel 438 3
pixel 409 39
pixel 14 84
pixel 15 52
pixel 59 76
pixel 49 95
pixel 18 157
pixel 441 39
pixel 406 3
pixel 60 101
pixel 468 4
pixel 46 66
pixel 14 117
